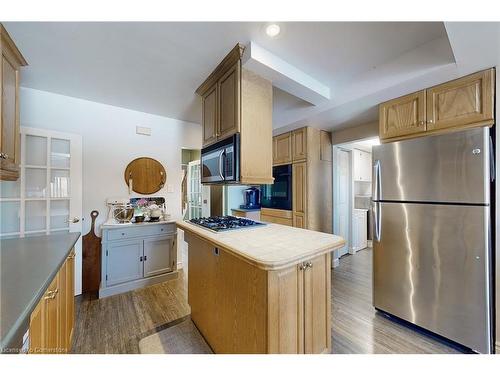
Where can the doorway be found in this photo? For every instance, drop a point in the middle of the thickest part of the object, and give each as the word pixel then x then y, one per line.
pixel 342 192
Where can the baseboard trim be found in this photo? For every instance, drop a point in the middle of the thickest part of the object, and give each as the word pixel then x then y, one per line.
pixel 136 284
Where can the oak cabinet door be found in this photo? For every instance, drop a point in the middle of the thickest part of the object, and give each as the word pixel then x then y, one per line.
pixel 299 220
pixel 229 102
pixel 286 311
pixel 51 318
pixel 402 116
pixel 158 255
pixel 209 115
pixel 465 101
pixel 299 144
pixel 299 188
pixel 317 309
pixel 62 307
pixel 10 118
pixel 282 149
pixel 37 335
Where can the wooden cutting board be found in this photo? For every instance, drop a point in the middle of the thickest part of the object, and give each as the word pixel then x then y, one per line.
pixel 91 264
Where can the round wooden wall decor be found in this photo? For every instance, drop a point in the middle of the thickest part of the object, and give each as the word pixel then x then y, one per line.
pixel 145 175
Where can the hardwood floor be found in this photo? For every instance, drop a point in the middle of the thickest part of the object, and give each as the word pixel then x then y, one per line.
pixel 357 327
pixel 116 324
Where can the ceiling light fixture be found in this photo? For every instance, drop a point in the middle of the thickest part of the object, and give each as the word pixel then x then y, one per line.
pixel 273 30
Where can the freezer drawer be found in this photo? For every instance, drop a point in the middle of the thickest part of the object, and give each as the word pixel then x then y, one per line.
pixel 450 168
pixel 431 268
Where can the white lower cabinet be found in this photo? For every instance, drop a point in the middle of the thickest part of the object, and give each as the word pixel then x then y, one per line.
pixel 135 256
pixel 156 259
pixel 359 230
pixel 123 262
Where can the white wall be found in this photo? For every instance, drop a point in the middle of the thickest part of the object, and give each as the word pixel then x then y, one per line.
pixel 110 143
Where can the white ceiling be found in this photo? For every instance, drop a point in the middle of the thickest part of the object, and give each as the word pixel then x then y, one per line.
pixel 156 67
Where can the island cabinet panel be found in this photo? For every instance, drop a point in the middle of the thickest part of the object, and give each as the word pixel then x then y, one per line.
pixel 300 308
pixel 202 287
pixel 299 200
pixel 465 101
pixel 227 298
pixel 52 320
pixel 317 309
pixel 286 311
pixel 241 308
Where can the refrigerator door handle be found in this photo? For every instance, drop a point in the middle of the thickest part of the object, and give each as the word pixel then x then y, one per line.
pixel 377 222
pixel 492 161
pixel 377 183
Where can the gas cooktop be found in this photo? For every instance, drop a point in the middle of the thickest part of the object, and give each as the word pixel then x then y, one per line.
pixel 223 223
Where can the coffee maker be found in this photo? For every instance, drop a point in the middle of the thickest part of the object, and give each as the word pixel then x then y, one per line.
pixel 252 198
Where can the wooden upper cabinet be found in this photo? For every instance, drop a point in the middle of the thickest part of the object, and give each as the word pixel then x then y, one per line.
pixel 209 115
pixel 326 151
pixel 402 116
pixel 299 144
pixel 282 149
pixel 229 102
pixel 464 101
pixel 12 60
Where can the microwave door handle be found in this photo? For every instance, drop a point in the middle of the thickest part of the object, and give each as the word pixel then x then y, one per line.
pixel 221 165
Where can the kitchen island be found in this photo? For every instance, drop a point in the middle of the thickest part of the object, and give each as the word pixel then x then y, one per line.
pixel 265 289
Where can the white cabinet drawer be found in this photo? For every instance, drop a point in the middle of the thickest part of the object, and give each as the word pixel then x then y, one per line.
pixel 139 231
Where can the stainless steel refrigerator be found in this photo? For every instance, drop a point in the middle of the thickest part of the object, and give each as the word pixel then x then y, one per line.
pixel 432 247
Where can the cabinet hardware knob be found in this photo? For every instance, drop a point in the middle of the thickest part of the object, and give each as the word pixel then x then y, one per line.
pixel 4 156
pixel 302 267
pixel 140 259
pixel 422 123
pixel 309 264
pixel 430 122
pixel 145 257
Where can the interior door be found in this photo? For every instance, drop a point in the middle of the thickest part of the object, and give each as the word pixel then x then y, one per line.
pixel 47 198
pixel 158 257
pixel 341 226
pixel 194 187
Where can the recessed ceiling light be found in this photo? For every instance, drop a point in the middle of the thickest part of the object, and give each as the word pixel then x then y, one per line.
pixel 273 30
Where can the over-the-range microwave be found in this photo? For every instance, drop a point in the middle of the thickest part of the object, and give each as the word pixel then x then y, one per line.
pixel 220 162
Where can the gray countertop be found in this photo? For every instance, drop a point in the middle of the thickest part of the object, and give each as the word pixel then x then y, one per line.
pixel 27 266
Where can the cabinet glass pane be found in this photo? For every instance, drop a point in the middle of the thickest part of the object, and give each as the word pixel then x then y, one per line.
pixel 59 153
pixel 59 214
pixel 9 217
pixel 36 150
pixel 35 215
pixel 36 183
pixel 10 189
pixel 59 183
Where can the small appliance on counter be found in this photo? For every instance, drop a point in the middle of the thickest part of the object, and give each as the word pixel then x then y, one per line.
pixel 120 211
pixel 252 198
pixel 224 223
